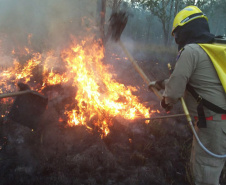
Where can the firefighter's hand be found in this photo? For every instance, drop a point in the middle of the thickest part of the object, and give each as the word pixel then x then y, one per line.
pixel 165 106
pixel 157 84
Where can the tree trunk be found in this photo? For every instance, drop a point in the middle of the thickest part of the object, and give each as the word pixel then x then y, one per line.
pixel 102 20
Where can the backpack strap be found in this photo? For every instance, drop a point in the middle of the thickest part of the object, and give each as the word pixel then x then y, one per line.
pixel 203 102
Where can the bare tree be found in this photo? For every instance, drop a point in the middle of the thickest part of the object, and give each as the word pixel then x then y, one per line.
pixel 165 10
pixel 102 4
pixel 114 4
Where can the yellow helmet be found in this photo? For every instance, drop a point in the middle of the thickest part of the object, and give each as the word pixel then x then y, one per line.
pixel 186 15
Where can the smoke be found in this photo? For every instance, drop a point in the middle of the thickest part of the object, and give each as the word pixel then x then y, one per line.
pixel 44 23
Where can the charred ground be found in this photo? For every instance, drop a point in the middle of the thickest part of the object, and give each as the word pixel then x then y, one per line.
pixel 134 154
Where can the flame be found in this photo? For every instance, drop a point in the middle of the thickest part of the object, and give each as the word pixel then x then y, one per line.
pixel 98 93
pixel 26 72
pixel 99 97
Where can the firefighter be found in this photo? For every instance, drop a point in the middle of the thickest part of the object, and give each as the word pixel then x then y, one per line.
pixel 196 78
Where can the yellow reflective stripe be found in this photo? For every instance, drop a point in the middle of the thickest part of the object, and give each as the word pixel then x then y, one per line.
pixel 217 54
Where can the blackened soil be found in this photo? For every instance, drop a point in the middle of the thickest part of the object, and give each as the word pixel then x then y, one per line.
pixel 132 154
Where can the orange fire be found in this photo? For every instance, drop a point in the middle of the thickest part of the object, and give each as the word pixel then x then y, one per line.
pixel 99 97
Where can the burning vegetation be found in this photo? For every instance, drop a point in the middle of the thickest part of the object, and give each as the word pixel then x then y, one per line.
pixel 95 96
pixel 84 122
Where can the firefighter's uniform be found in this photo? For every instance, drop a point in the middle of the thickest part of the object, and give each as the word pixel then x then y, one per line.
pixel 194 67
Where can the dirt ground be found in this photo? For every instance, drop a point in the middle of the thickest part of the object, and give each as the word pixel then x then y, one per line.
pixel 137 153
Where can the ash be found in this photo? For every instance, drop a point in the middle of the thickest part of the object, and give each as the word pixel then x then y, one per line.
pixel 131 154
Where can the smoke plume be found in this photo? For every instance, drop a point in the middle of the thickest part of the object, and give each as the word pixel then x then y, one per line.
pixel 44 24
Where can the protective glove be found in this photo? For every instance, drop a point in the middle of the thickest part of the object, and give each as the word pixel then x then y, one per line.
pixel 165 106
pixel 157 84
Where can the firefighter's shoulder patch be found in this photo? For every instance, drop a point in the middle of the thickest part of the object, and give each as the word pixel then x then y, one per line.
pixel 179 53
